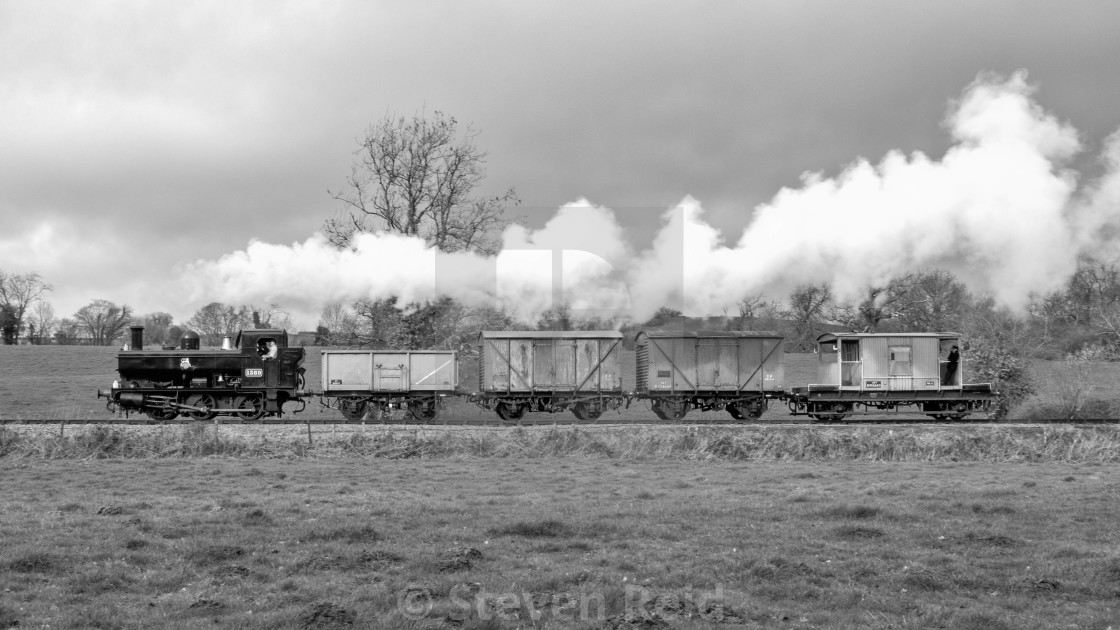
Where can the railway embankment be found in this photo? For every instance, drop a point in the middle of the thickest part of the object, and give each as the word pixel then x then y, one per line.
pixel 902 443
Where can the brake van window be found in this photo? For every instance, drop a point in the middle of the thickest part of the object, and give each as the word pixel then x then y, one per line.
pixel 900 360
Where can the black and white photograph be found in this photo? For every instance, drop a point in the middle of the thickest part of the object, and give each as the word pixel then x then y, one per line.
pixel 596 315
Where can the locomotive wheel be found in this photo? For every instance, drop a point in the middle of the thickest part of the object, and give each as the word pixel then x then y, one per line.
pixel 201 400
pixel 250 407
pixel 584 411
pixel 352 408
pixel 160 414
pixel 507 411
pixel 424 412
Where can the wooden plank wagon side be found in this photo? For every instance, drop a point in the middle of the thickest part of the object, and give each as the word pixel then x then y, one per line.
pixel 737 371
pixel 541 370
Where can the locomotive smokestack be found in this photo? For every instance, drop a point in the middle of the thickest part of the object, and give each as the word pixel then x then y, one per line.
pixel 137 337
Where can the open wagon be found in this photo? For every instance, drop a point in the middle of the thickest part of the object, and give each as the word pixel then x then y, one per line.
pixel 368 382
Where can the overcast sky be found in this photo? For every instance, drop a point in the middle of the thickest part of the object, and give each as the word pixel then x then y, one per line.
pixel 139 137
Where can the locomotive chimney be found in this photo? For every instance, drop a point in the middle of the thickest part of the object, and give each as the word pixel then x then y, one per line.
pixel 137 337
pixel 226 344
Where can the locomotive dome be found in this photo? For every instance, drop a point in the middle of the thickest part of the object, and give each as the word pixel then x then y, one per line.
pixel 189 340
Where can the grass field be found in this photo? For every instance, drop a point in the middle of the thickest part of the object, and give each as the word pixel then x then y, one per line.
pixel 574 542
pixel 61 382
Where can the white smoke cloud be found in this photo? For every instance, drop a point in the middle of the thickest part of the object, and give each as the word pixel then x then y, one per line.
pixel 573 259
pixel 1000 210
pixel 1096 214
pixel 991 210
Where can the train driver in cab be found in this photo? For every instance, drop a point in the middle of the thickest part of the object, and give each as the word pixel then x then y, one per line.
pixel 267 348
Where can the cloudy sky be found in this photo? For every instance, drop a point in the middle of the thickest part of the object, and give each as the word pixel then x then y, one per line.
pixel 141 141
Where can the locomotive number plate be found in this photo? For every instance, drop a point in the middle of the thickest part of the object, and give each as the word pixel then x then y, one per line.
pixel 254 372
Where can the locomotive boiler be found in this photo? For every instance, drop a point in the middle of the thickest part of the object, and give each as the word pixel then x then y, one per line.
pixel 251 380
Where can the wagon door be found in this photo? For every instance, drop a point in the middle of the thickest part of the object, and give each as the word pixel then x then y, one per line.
pixel 728 365
pixel 508 364
pixel 521 374
pixel 707 364
pixel 588 374
pixel 851 367
pixel 684 356
pixel 544 368
pixel 900 369
pixel 390 372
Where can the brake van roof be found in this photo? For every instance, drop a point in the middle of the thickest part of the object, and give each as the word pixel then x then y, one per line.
pixel 940 335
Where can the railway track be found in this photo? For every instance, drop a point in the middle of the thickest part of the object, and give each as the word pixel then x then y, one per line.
pixel 140 420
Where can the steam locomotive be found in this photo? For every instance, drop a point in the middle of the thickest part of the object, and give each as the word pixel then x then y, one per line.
pixel 252 379
pixel 553 371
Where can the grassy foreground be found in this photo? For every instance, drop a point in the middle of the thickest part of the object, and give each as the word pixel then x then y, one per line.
pixel 556 542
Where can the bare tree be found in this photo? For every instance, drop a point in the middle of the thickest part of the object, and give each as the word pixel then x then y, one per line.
pixel 418 177
pixel 42 315
pixel 271 316
pixel 216 320
pixel 807 308
pixel 338 326
pixel 18 292
pixel 67 332
pixel 756 311
pixel 156 328
pixel 103 321
pixel 933 301
pixel 878 306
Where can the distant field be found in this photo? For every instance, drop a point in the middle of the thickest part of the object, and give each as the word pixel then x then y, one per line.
pixel 61 382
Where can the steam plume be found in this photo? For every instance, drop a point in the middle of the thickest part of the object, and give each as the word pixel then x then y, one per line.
pixel 1001 210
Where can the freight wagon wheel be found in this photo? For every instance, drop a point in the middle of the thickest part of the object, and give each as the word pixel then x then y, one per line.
pixel 584 411
pixel 250 407
pixel 508 411
pixel 352 408
pixel 735 412
pixel 160 414
pixel 205 401
pixel 670 410
pixel 424 412
pixel 375 412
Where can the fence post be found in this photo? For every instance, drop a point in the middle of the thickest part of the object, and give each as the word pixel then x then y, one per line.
pixel 309 432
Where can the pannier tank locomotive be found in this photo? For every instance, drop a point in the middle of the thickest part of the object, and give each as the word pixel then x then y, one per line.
pixel 251 380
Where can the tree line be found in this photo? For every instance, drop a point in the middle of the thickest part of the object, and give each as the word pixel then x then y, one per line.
pixel 26 315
